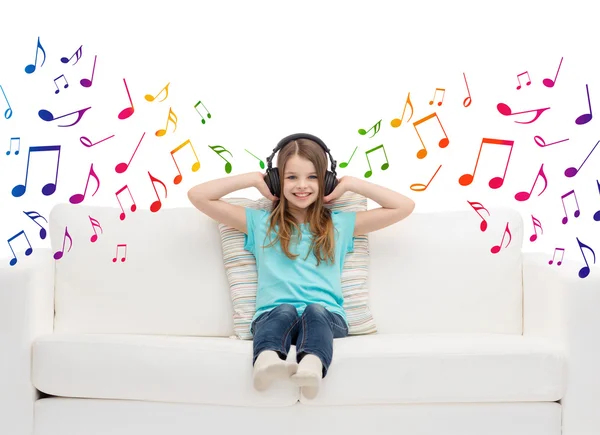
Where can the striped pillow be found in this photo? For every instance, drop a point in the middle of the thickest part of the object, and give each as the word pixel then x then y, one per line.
pixel 240 266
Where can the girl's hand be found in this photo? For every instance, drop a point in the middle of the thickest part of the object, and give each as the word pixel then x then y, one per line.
pixel 340 189
pixel 262 187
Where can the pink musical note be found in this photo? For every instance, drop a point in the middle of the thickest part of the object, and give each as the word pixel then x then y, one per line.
pixel 88 143
pixel 586 117
pixel 78 53
pixel 49 188
pixel 195 166
pixel 65 86
pixel 443 91
pixel 59 254
pixel 478 206
pixel 524 196
pixel 133 206
pixel 18 140
pixel 120 245
pixel 519 79
pixel 549 83
pixel 559 262
pixel 31 68
pixel 536 223
pixel 398 122
pixel 78 197
pixel 597 214
pixel 48 116
pixel 95 224
pixel 86 83
pixel 540 141
pixel 571 172
pixel 122 167
pixel 577 212
pixel 421 154
pixel 496 249
pixel 419 187
pixel 33 215
pixel 28 251
pixel 128 111
pixel 469 92
pixel 585 270
pixel 156 205
pixel 506 111
pixel 495 182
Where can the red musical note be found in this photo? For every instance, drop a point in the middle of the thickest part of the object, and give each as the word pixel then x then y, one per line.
pixel 585 270
pixel 536 223
pixel 469 92
pixel 78 53
pixel 31 68
pixel 208 115
pixel 128 111
pixel 122 167
pixel 78 197
pixel 133 206
pixel 418 187
pixel 49 188
pixel 18 140
pixel 172 118
pixel 597 214
pixel 86 83
pixel 519 78
pixel 120 245
pixel 524 196
pixel 577 212
pixel 421 154
pixel 496 249
pixel 478 206
pixel 571 172
pixel 434 94
pixel 586 117
pixel 88 143
pixel 538 140
pixel 398 122
pixel 377 126
pixel 33 215
pixel 495 182
pixel 549 83
pixel 48 116
pixel 195 166
pixel 95 224
pixel 65 86
pixel 59 254
pixel 506 111
pixel 559 262
pixel 150 98
pixel 28 251
pixel 156 205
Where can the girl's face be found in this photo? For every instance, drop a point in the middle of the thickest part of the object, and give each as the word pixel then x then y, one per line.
pixel 300 177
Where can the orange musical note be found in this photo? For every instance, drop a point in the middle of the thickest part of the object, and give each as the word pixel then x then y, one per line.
pixel 434 94
pixel 49 188
pixel 59 254
pixel 383 167
pixel 519 78
pixel 18 139
pixel 540 141
pixel 88 143
pixel 421 154
pixel 95 224
pixel 133 206
pixel 549 83
pixel 507 111
pixel 156 205
pixel 28 251
pixel 398 122
pixel 124 257
pixel 561 258
pixel 418 187
pixel 65 86
pixel 151 98
pixel 496 249
pixel 128 111
pixel 524 196
pixel 585 270
pixel 86 83
pixel 495 182
pixel 33 215
pixel 536 223
pixel 47 116
pixel 208 115
pixel 220 149
pixel 78 197
pixel 577 212
pixel 586 117
pixel 478 206
pixel 377 126
pixel 571 172
pixel 469 92
pixel 31 68
pixel 78 53
pixel 172 118
pixel 195 166
pixel 344 164
pixel 122 167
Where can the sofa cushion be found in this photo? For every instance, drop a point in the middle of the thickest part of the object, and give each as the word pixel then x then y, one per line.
pixel 240 266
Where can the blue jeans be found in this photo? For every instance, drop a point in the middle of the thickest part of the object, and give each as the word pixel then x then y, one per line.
pixel 311 333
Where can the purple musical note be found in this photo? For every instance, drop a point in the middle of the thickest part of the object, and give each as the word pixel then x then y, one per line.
pixel 48 116
pixel 571 172
pixel 586 117
pixel 28 251
pixel 32 215
pixel 585 270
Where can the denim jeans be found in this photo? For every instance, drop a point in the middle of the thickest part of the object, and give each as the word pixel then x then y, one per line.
pixel 311 333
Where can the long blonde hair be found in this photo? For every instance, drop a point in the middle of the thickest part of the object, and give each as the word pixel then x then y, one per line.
pixel 318 216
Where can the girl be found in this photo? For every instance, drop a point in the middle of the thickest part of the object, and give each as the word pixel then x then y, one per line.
pixel 299 298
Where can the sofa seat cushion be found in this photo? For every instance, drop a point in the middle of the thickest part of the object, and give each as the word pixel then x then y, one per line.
pixel 205 370
pixel 437 368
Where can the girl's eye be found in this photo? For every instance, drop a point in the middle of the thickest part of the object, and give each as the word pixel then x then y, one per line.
pixel 292 176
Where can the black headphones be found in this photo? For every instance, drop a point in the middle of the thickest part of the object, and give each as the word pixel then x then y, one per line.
pixel 272 175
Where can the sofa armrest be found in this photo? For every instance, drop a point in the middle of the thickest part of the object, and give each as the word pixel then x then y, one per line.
pixel 561 306
pixel 26 312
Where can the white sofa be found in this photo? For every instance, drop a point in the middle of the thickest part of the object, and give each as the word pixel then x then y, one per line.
pixel 468 342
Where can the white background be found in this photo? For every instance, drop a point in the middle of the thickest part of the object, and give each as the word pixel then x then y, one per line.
pixel 266 69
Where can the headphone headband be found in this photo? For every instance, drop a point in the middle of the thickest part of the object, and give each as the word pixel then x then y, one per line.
pixel 295 136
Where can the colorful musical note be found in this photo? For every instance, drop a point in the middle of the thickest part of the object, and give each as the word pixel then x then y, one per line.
pixel 383 167
pixel 469 92
pixel 435 93
pixel 31 68
pixel 496 249
pixel 418 187
pixel 524 196
pixel 421 154
pixel 18 139
pixel 478 206
pixel 78 197
pixel 540 141
pixel 549 83
pixel 398 122
pixel 519 79
pixel 538 224
pixel 49 188
pixel 577 212
pixel 8 112
pixel 150 98
pixel 495 182
pixel 88 143
pixel 128 111
pixel 156 205
pixel 571 172
pixel 133 206
pixel 48 116
pixel 122 167
pixel 219 151
pixel 345 164
pixel 559 262
pixel 586 117
pixel 171 118
pixel 33 215
pixel 261 163
pixel 597 214
pixel 207 112
pixel 95 224
pixel 120 245
pixel 28 251
pixel 585 270
pixel 65 86
pixel 195 165
pixel 377 126
pixel 77 53
pixel 507 111
pixel 59 254
pixel 86 83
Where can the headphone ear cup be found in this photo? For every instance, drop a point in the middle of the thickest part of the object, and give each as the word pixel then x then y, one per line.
pixel 330 182
pixel 272 180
